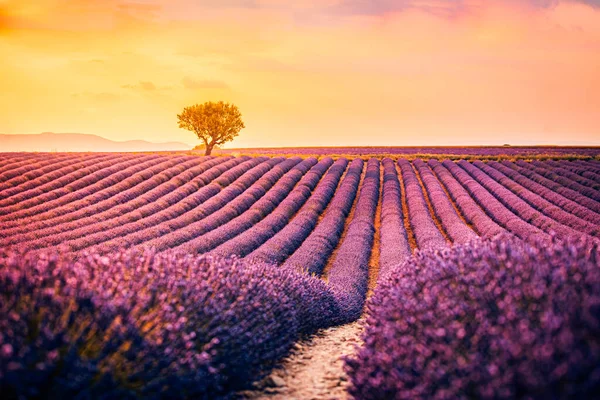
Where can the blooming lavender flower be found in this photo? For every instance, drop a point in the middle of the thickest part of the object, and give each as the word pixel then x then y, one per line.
pixel 553 174
pixel 314 252
pixel 442 206
pixel 349 274
pixel 149 215
pixel 556 198
pixel 136 324
pixel 38 173
pixel 18 170
pixel 539 203
pixel 427 234
pixel 473 213
pixel 588 169
pixel 498 318
pixel 524 169
pixel 158 189
pixel 282 244
pixel 305 193
pixel 492 206
pixel 236 224
pixel 579 175
pixel 89 184
pixel 516 204
pixel 394 246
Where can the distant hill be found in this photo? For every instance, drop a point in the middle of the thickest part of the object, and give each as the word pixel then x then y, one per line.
pixel 48 141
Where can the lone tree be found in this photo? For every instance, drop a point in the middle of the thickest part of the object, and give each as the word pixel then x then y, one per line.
pixel 214 123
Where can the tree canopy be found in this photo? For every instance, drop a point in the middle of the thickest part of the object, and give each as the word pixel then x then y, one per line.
pixel 213 123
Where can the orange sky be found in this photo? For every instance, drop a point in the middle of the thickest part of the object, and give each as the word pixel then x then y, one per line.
pixel 306 73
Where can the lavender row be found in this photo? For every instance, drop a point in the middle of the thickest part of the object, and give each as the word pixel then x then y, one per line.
pixel 455 227
pixel 150 215
pixel 472 212
pixel 284 243
pixel 57 179
pixel 22 155
pixel 566 182
pixel 588 174
pixel 238 200
pixel 518 205
pixel 17 160
pixel 58 182
pixel 538 203
pixel 349 274
pixel 550 195
pixel 568 175
pixel 435 329
pixel 302 205
pixel 427 234
pixel 159 187
pixel 105 178
pixel 163 183
pixel 40 173
pixel 556 187
pixel 13 161
pixel 394 246
pixel 587 166
pixel 584 169
pixel 134 199
pixel 208 204
pixel 281 200
pixel 312 255
pixel 494 208
pixel 18 168
pixel 559 169
pixel 139 325
pixel 106 188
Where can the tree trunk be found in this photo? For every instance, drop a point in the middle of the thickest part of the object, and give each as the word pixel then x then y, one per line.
pixel 209 148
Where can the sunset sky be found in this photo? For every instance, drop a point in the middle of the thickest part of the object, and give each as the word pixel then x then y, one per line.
pixel 306 73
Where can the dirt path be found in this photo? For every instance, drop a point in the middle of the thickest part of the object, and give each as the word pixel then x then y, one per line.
pixel 314 370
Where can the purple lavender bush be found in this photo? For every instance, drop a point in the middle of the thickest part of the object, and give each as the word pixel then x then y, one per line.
pixel 140 325
pixel 495 318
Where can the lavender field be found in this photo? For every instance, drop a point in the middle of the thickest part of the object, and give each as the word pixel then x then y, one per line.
pixel 152 275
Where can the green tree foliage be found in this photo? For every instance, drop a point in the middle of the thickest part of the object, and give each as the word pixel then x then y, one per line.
pixel 214 123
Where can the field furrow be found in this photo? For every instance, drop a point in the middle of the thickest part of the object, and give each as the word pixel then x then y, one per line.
pixel 585 176
pixel 492 206
pixel 40 174
pixel 49 189
pixel 155 189
pixel 302 208
pixel 473 213
pixel 17 167
pixel 282 244
pixel 568 179
pixel 441 205
pixel 205 276
pixel 103 182
pixel 427 233
pixel 151 214
pixel 348 276
pixel 516 204
pixel 282 200
pixel 539 203
pixel 315 251
pixel 556 187
pixel 550 195
pixel 394 246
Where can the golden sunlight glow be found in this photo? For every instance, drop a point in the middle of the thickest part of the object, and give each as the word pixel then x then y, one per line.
pixel 319 73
